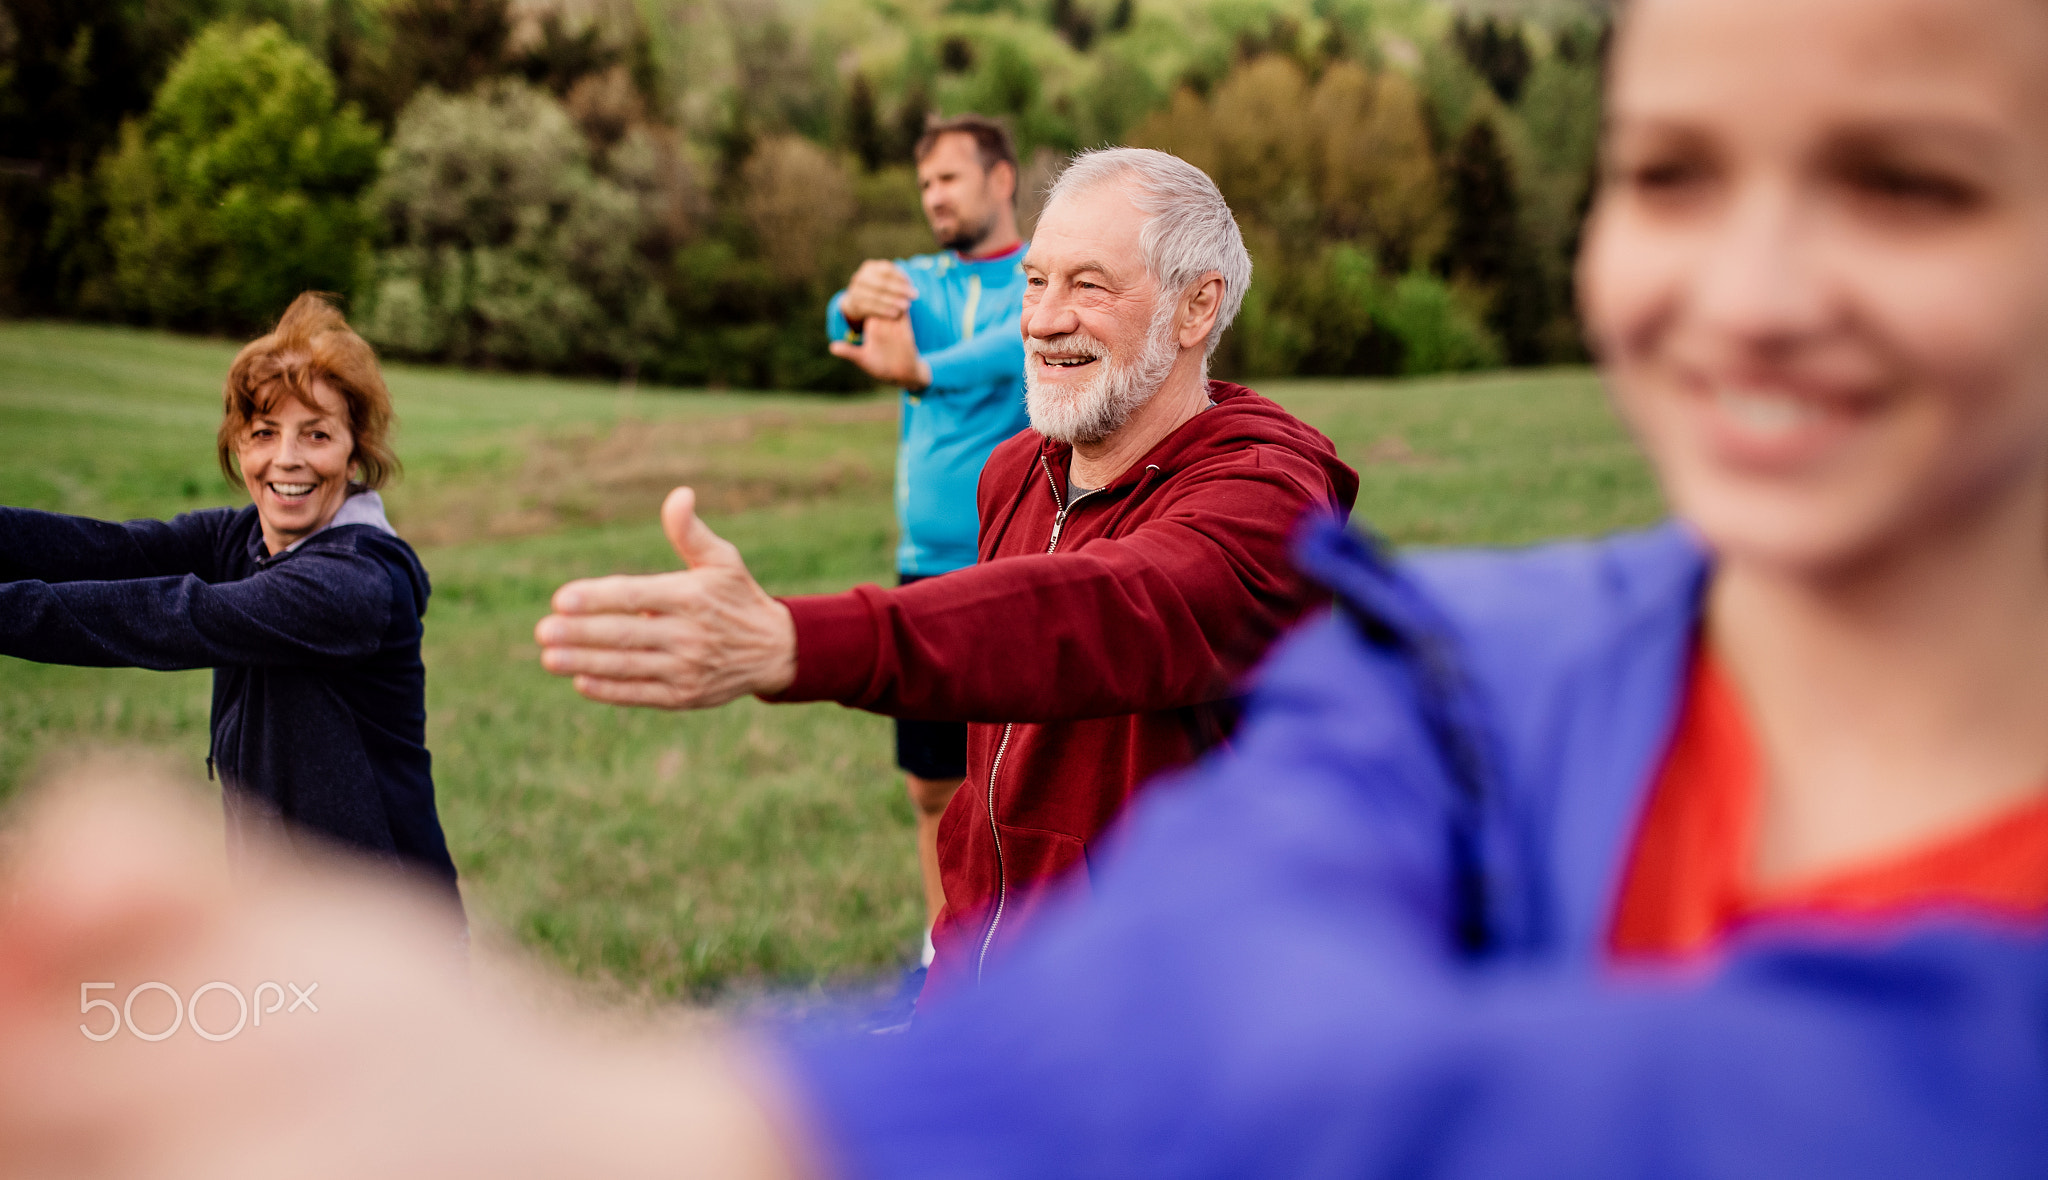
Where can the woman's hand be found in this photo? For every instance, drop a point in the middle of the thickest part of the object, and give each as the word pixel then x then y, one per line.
pixel 400 1062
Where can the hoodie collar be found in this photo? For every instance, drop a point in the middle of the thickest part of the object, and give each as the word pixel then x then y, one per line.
pixel 1174 451
pixel 365 507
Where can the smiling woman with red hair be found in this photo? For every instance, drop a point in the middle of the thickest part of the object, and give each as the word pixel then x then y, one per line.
pixel 315 360
pixel 306 604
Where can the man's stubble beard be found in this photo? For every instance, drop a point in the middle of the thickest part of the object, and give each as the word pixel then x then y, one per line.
pixel 968 236
pixel 1101 407
pixel 967 241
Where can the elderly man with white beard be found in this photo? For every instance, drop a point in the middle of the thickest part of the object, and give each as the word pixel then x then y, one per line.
pixel 1133 562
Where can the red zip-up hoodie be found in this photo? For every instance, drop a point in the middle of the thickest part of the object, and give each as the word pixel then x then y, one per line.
pixel 1095 644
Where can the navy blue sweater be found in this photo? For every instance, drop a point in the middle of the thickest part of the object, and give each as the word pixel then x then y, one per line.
pixel 319 695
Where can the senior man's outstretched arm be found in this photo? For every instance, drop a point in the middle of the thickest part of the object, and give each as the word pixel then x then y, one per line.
pixel 1165 616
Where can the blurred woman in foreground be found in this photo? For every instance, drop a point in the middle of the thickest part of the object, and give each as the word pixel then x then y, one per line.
pixel 305 604
pixel 1712 850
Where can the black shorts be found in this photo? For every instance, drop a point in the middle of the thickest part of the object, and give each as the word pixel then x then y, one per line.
pixel 930 749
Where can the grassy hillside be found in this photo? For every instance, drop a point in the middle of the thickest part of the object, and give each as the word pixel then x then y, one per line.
pixel 656 853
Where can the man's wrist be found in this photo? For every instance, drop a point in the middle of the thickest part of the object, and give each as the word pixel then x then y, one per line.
pixel 922 378
pixel 780 672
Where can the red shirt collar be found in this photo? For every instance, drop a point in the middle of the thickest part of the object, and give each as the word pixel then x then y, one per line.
pixel 996 257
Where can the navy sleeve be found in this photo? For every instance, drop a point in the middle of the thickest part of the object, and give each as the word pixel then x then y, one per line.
pixel 51 547
pixel 327 606
pixel 1261 985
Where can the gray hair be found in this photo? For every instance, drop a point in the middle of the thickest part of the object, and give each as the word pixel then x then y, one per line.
pixel 1188 232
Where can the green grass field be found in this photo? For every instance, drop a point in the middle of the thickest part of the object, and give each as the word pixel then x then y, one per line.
pixel 660 855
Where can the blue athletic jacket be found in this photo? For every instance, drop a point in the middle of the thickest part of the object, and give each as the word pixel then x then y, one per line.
pixel 965 320
pixel 319 695
pixel 1367 941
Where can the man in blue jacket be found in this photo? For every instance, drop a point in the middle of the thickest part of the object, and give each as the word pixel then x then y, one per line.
pixel 944 327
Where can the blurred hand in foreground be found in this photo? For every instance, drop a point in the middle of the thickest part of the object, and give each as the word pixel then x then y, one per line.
pixel 401 1064
pixel 888 352
pixel 687 640
pixel 878 290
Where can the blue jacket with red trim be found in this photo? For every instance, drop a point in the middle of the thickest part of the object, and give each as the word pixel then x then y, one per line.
pixel 1369 941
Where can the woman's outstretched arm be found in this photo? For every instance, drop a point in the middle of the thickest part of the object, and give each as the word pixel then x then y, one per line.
pixel 53 547
pixel 333 605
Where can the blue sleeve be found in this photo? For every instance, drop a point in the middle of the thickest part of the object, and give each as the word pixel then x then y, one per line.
pixel 993 354
pixel 1261 985
pixel 329 606
pixel 836 327
pixel 52 547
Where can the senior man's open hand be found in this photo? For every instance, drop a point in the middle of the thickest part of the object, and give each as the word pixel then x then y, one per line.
pixel 686 640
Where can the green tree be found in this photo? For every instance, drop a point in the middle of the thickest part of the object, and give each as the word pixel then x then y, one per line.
pixel 1484 209
pixel 1498 50
pixel 1121 93
pixel 1265 152
pixel 1490 248
pixel 448 44
pixel 1560 110
pixel 240 188
pixel 504 246
pixel 71 71
pixel 863 126
pixel 1376 176
pixel 799 205
pixel 1339 193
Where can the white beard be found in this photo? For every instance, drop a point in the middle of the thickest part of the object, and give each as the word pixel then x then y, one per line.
pixel 1098 408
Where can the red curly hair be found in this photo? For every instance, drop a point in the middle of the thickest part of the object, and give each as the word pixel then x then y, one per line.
pixel 311 343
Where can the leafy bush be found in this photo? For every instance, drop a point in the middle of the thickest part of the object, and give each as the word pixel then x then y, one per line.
pixel 1327 178
pixel 753 305
pixel 239 190
pixel 1340 314
pixel 1437 332
pixel 504 246
pixel 799 204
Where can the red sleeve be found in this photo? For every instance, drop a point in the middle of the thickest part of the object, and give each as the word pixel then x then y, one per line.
pixel 1164 616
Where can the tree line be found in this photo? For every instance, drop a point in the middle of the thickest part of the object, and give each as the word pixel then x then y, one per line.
pixel 670 189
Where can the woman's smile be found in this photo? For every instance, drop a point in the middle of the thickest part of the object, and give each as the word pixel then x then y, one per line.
pixel 295 460
pixel 1776 424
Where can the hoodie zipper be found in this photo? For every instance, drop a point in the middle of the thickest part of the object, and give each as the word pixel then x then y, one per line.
pixel 1059 524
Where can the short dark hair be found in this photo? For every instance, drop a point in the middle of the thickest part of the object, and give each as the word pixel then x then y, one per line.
pixel 991 139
